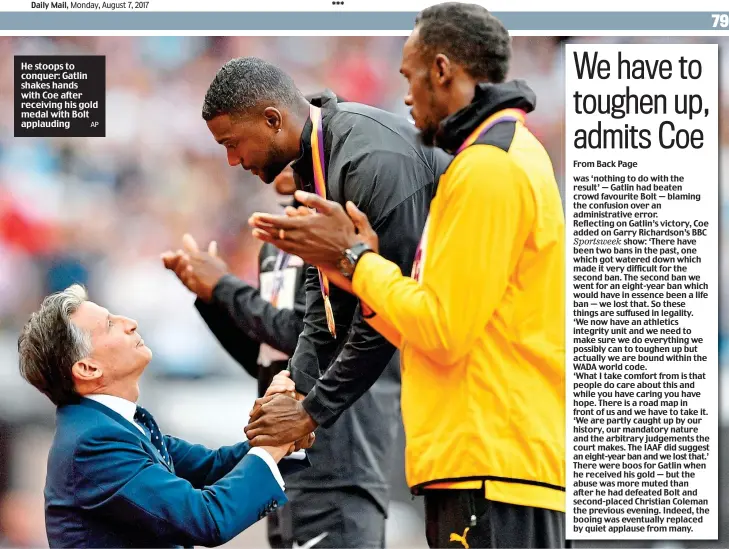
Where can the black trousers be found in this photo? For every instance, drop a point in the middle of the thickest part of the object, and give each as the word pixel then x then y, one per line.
pixel 334 518
pixel 464 518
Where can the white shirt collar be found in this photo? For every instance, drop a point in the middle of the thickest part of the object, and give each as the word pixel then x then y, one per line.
pixel 121 406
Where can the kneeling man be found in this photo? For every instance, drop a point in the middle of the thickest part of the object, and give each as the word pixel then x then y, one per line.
pixel 114 480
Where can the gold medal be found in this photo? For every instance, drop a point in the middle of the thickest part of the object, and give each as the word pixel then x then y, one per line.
pixel 317 157
pixel 330 317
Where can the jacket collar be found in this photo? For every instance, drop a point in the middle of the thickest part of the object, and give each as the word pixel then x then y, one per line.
pixel 489 99
pixel 302 166
pixel 125 423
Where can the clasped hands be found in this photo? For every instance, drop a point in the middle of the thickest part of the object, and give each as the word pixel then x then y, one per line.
pixel 278 418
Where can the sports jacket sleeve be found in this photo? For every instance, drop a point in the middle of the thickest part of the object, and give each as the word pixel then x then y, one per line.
pixel 468 263
pixel 118 479
pixel 201 466
pixel 316 347
pixel 364 352
pixel 380 323
pixel 241 320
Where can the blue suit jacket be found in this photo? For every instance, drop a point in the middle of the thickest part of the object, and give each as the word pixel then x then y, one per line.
pixel 107 486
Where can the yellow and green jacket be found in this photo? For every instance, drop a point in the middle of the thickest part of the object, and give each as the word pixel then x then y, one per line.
pixel 481 324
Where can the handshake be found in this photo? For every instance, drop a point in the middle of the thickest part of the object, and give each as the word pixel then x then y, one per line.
pixel 278 422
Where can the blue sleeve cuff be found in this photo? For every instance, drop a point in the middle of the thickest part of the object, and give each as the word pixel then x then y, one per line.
pixel 268 459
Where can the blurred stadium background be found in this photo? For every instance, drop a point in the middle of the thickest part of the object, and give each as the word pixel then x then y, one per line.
pixel 100 211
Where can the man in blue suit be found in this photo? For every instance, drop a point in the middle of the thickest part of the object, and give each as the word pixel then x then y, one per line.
pixel 113 479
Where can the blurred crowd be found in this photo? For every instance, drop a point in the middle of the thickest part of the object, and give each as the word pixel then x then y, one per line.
pixel 101 210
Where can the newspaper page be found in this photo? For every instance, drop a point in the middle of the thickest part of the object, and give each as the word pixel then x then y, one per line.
pixel 642 154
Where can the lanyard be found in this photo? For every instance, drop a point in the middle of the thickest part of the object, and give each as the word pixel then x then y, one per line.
pixel 317 154
pixel 506 115
pixel 282 260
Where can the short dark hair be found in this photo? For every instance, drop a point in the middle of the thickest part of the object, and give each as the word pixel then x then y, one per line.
pixel 469 35
pixel 50 344
pixel 245 82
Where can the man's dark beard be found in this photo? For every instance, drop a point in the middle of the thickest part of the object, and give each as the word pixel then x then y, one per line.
pixel 427 135
pixel 276 164
pixel 272 170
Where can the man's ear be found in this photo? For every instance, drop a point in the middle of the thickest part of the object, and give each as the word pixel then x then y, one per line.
pixel 442 69
pixel 274 118
pixel 85 370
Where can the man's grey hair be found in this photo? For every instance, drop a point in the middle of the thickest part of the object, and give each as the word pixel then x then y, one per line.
pixel 50 344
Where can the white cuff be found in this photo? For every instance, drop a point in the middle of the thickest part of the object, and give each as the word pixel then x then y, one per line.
pixel 268 458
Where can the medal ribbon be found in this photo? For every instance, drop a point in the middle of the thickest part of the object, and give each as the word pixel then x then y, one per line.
pixel 282 260
pixel 317 153
pixel 506 115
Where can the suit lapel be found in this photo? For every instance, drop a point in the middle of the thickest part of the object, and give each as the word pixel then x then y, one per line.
pixel 127 425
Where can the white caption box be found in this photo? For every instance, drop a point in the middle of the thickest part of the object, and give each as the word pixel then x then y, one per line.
pixel 642 291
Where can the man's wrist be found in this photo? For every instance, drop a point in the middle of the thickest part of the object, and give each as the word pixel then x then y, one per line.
pixel 306 417
pixel 223 290
pixel 351 257
pixel 319 413
pixel 359 259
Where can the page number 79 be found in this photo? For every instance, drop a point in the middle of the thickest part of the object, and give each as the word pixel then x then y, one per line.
pixel 720 20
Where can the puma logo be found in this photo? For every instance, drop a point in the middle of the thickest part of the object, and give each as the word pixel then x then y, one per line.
pixel 462 539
